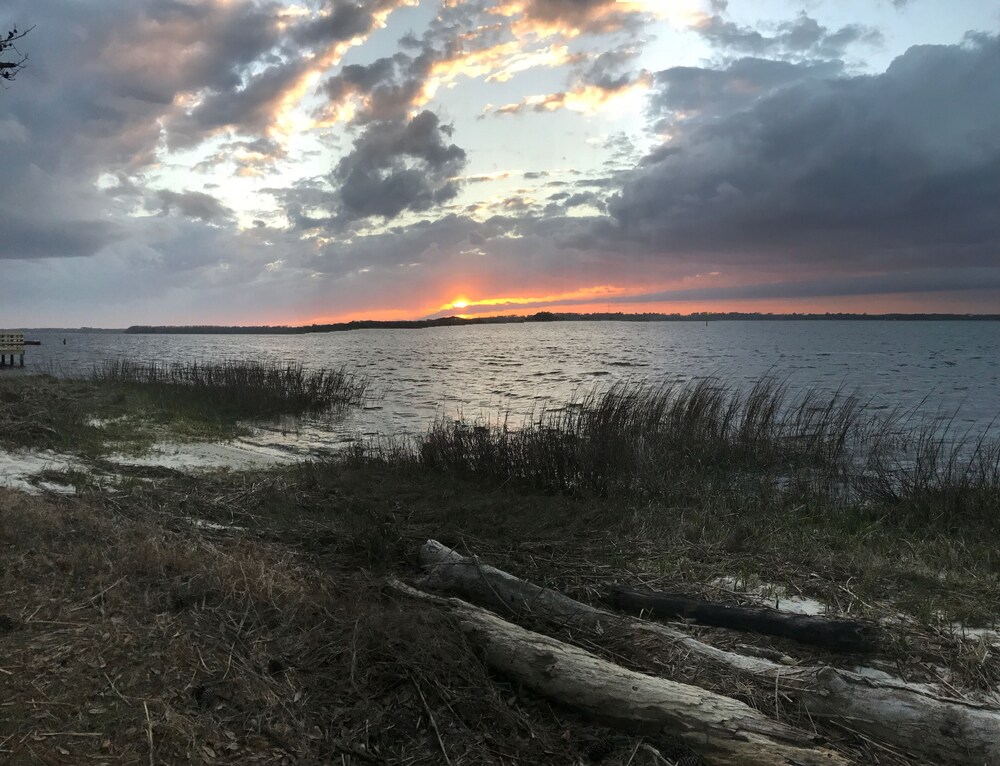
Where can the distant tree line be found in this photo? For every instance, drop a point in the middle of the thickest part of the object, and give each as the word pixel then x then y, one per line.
pixel 543 316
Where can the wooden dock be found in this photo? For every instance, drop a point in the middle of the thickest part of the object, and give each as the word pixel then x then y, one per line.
pixel 11 344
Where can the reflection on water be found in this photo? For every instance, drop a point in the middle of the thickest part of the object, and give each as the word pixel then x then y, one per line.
pixel 517 370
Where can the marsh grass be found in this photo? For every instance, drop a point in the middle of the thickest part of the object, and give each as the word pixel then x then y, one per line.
pixel 635 436
pixel 677 442
pixel 127 406
pixel 240 386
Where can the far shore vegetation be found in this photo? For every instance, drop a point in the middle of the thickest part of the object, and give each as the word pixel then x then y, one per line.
pixel 243 611
pixel 539 316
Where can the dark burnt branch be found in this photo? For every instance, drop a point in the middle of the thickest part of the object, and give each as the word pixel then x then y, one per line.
pixel 837 634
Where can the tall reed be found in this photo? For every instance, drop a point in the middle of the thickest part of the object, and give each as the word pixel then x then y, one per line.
pixel 631 433
pixel 632 439
pixel 250 386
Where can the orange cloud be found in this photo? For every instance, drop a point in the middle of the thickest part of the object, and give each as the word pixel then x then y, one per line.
pixel 496 62
pixel 584 97
pixel 571 18
pixel 499 62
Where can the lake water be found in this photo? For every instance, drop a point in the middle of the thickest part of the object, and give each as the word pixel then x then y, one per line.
pixel 516 370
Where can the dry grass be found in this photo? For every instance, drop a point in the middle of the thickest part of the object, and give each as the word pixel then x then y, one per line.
pixel 125 642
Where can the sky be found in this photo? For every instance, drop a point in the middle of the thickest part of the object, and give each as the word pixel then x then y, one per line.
pixel 269 162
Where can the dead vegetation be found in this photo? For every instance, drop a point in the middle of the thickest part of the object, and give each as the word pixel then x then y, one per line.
pixel 125 642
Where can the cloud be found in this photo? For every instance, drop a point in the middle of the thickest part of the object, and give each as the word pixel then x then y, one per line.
pixel 255 158
pixel 465 40
pixel 803 37
pixel 598 81
pixel 739 84
pixel 392 86
pixel 113 87
pixel 40 237
pixel 192 204
pixel 394 166
pixel 386 89
pixel 926 281
pixel 890 169
pixel 582 97
pixel 574 17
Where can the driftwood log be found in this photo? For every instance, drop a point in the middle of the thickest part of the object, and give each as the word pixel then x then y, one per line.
pixel 939 729
pixel 720 729
pixel 837 634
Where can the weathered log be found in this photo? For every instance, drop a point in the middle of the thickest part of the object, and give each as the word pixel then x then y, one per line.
pixel 720 729
pixel 837 634
pixel 939 729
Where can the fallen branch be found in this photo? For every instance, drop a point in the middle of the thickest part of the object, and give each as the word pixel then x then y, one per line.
pixel 721 730
pixel 937 728
pixel 837 634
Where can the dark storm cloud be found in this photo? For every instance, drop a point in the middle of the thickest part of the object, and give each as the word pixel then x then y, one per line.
pixel 900 168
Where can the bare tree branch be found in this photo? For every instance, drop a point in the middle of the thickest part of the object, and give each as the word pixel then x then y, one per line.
pixel 8 44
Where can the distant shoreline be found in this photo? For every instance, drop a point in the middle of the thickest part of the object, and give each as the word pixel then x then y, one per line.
pixel 541 316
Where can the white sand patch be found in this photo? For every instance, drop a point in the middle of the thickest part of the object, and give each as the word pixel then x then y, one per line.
pixel 18 468
pixel 204 524
pixel 237 454
pixel 988 635
pixel 774 596
pixel 59 489
pixel 101 422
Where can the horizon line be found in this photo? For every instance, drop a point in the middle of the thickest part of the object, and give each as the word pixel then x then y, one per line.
pixel 539 317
